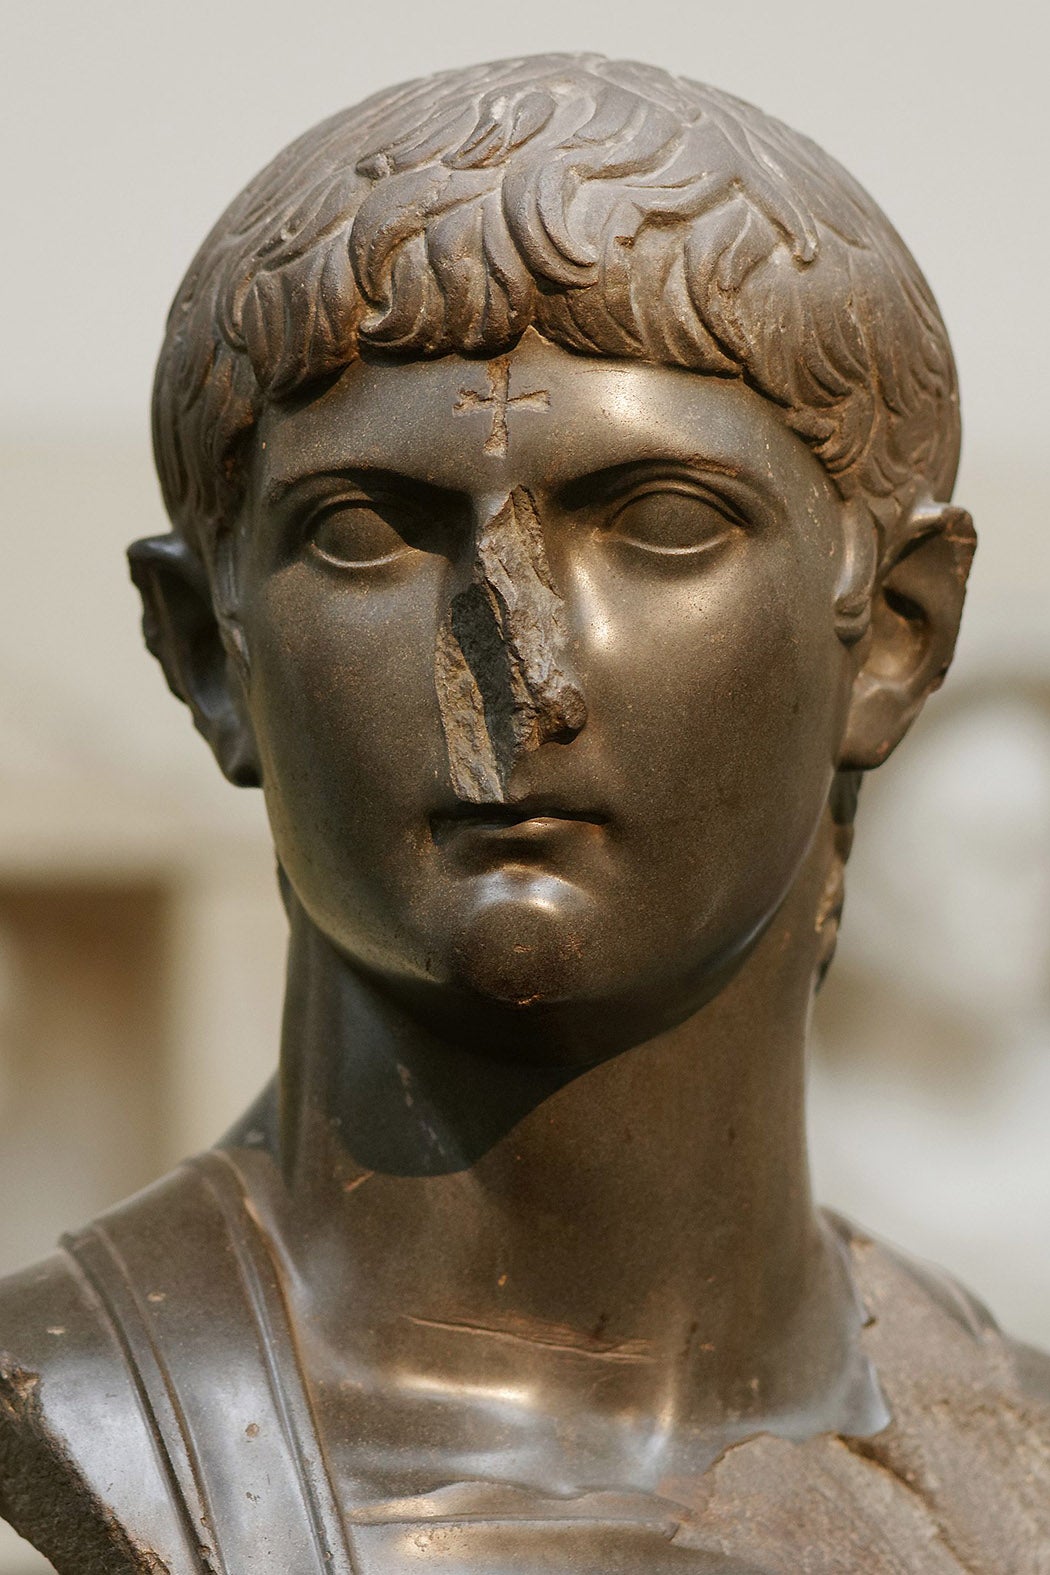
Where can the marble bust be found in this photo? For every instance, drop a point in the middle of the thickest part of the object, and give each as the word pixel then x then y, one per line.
pixel 559 455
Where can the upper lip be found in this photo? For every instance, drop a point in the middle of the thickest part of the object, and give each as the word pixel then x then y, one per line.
pixel 533 807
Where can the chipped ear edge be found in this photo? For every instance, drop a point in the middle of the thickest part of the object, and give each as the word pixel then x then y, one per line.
pixel 916 610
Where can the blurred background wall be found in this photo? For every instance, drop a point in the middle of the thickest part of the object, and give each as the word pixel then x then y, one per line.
pixel 140 935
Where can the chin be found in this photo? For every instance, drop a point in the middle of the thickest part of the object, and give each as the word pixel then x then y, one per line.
pixel 535 969
pixel 525 941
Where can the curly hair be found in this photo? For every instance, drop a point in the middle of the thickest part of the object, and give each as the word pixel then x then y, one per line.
pixel 618 210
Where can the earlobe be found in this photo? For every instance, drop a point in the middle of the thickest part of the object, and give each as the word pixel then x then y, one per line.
pixel 182 631
pixel 916 607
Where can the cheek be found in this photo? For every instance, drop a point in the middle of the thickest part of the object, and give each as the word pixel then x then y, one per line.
pixel 727 714
pixel 345 709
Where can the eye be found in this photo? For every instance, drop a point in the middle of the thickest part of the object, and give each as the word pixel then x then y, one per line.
pixel 674 519
pixel 356 533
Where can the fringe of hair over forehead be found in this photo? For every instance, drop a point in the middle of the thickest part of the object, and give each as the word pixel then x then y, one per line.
pixel 616 209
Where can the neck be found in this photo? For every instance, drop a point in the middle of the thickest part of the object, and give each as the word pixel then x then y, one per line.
pixel 649 1215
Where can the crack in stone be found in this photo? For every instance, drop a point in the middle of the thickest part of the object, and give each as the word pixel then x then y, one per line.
pixel 864 1449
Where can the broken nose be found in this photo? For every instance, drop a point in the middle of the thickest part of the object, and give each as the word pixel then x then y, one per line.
pixel 501 661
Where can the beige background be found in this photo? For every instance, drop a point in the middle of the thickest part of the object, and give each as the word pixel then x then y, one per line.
pixel 140 936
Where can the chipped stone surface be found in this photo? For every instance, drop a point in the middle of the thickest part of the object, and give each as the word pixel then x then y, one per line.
pixel 500 663
pixel 958 1484
pixel 18 1390
pixel 44 1496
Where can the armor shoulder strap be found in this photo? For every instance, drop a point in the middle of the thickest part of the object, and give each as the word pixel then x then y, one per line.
pixel 192 1291
pixel 75 1441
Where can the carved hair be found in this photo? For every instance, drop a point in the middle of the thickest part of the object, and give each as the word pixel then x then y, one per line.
pixel 617 209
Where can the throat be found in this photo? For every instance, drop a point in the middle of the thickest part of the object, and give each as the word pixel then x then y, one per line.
pixel 627 1254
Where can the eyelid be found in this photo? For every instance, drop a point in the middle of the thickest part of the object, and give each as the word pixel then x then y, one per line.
pixel 305 508
pixel 310 517
pixel 622 484
pixel 632 490
pixel 312 510
pixel 309 514
pixel 309 531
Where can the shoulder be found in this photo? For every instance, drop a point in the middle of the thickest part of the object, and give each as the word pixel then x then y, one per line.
pixel 1032 1368
pixel 154 1419
pixel 922 1321
pixel 67 1413
pixel 971 1408
pixel 76 1444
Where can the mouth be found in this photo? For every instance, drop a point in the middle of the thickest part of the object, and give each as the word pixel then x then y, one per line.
pixel 533 817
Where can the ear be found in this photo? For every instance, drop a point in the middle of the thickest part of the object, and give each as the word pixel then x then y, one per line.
pixel 183 632
pixel 916 607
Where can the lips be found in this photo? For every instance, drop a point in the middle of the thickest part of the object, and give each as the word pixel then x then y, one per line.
pixel 532 815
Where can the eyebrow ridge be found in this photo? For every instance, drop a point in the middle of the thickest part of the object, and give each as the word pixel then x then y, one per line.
pixel 278 488
pixel 607 476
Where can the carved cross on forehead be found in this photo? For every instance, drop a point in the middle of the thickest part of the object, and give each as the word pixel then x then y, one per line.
pixel 500 398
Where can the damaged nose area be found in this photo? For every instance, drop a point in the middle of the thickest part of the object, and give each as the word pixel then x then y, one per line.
pixel 500 663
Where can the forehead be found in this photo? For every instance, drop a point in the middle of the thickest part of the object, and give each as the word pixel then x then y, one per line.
pixel 539 417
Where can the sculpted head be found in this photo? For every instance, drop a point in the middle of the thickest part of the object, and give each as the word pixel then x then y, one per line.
pixel 559 456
